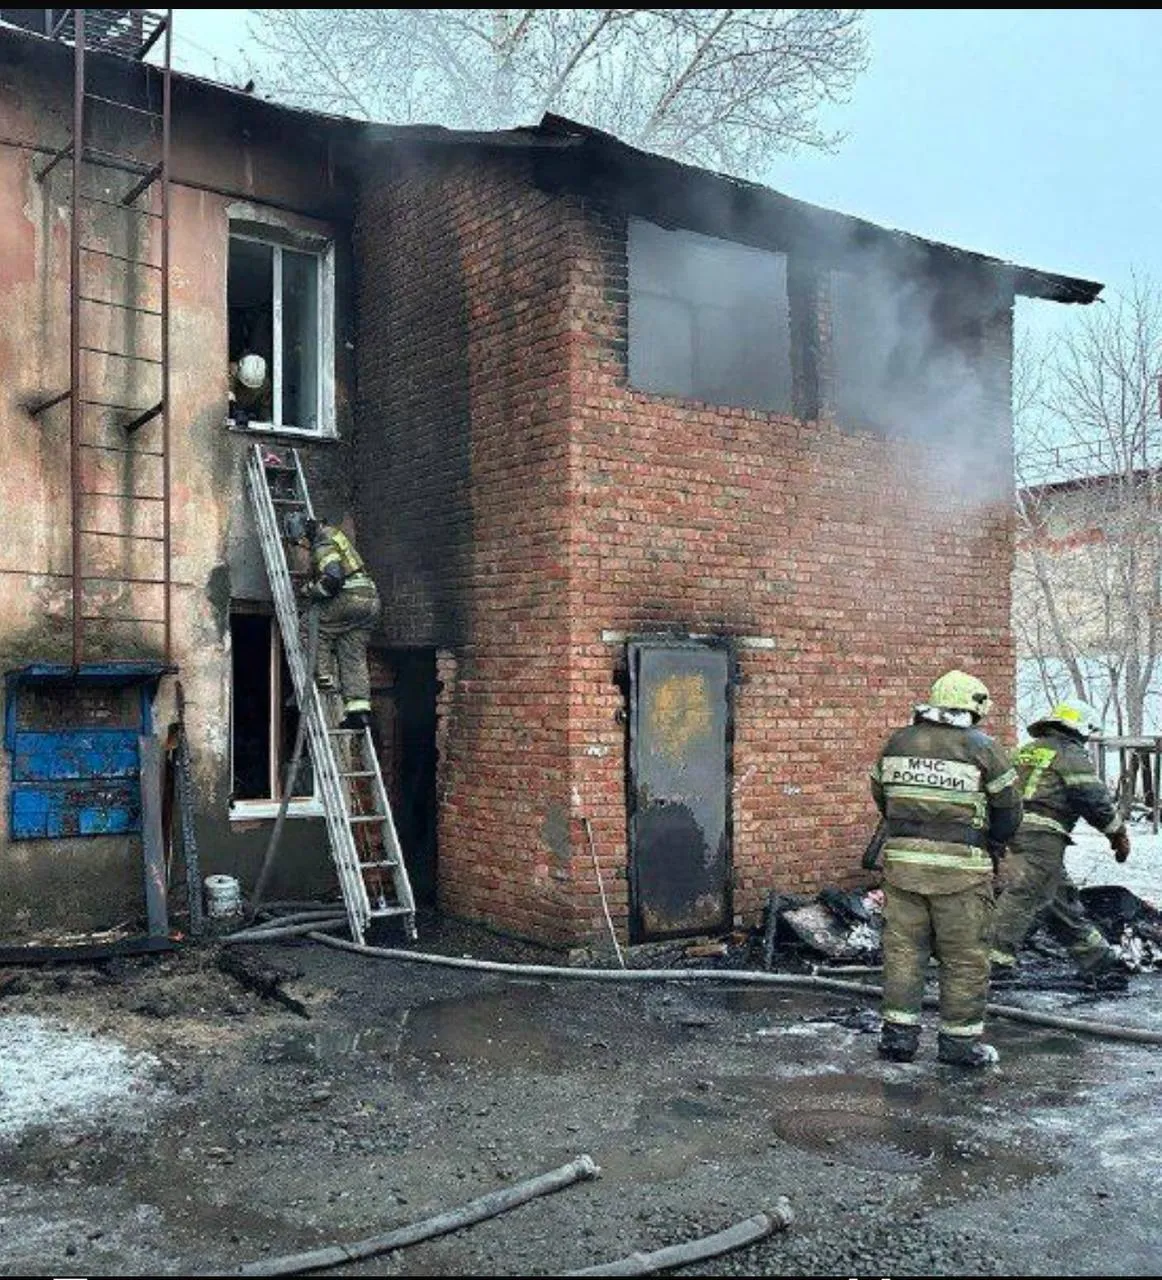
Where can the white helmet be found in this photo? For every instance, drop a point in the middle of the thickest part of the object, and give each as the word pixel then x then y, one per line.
pixel 252 371
pixel 1073 715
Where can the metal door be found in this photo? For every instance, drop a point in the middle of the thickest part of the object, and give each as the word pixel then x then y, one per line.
pixel 678 801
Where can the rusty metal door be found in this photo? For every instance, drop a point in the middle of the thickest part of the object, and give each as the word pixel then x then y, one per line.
pixel 678 801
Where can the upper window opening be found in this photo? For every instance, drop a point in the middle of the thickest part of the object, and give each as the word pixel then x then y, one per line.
pixel 279 302
pixel 906 358
pixel 708 319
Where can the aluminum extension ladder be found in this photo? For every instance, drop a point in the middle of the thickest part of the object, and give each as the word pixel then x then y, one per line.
pixel 360 828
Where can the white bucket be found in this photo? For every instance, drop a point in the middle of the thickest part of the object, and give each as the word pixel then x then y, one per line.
pixel 223 897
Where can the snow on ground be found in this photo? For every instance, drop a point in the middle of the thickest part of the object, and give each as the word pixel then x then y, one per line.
pixel 52 1075
pixel 1090 861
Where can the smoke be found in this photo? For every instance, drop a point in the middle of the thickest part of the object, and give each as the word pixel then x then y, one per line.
pixel 916 358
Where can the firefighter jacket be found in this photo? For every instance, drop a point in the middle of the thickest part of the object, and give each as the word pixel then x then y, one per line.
pixel 948 794
pixel 336 565
pixel 1059 785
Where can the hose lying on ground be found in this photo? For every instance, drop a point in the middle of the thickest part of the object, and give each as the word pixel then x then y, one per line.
pixel 799 981
pixel 757 1227
pixel 486 1206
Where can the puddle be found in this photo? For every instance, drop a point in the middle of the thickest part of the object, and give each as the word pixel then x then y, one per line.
pixel 889 1127
pixel 512 1027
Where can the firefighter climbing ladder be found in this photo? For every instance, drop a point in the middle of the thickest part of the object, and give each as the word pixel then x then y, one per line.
pixel 360 828
pixel 119 472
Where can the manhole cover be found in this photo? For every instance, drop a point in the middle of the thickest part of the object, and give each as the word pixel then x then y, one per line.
pixel 883 1143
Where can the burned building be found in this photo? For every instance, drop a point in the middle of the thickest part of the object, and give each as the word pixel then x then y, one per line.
pixel 678 493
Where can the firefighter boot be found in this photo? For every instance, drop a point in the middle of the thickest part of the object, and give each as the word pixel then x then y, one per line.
pixel 898 1043
pixel 965 1051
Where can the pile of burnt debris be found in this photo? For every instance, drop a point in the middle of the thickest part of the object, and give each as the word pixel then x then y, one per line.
pixel 837 930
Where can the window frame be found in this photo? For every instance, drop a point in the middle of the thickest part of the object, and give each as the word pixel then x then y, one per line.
pixel 247 810
pixel 697 308
pixel 322 251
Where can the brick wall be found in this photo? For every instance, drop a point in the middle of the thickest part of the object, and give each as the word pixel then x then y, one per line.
pixel 517 499
pixel 870 562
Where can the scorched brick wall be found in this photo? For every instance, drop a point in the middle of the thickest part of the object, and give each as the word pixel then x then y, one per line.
pixel 518 500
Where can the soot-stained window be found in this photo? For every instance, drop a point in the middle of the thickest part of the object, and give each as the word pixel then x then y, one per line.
pixel 708 319
pixel 905 360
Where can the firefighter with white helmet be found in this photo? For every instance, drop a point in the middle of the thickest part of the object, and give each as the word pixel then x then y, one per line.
pixel 947 792
pixel 250 399
pixel 1058 785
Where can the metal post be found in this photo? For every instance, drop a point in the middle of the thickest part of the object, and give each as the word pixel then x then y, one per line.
pixel 75 406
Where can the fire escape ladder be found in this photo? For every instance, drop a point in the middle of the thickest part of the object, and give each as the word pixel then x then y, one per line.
pixel 361 829
pixel 118 153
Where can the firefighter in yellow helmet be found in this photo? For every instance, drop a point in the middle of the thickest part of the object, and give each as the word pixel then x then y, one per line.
pixel 348 604
pixel 948 796
pixel 1058 786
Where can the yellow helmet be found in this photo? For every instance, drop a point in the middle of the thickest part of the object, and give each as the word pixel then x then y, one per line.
pixel 958 691
pixel 1072 715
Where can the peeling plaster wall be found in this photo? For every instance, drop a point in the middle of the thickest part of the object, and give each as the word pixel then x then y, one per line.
pixel 97 881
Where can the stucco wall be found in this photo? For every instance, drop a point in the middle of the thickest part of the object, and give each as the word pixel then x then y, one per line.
pixel 263 168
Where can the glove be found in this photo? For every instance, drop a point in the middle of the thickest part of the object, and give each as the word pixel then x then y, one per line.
pixel 1120 844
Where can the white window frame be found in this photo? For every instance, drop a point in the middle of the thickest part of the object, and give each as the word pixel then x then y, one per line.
pixel 300 806
pixel 323 251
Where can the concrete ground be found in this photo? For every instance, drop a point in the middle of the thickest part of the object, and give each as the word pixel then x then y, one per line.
pixel 157 1116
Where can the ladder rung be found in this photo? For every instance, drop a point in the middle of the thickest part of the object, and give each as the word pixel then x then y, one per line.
pixel 137 497
pixel 118 448
pixel 123 106
pixel 369 817
pixel 101 617
pixel 379 912
pixel 141 582
pixel 115 160
pixel 130 537
pixel 288 502
pixel 119 257
pixel 118 204
pixel 279 466
pixel 378 866
pixel 123 306
pixel 361 773
pixel 121 355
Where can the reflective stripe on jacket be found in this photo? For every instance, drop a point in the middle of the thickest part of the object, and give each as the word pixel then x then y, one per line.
pixel 1059 785
pixel 332 550
pixel 947 794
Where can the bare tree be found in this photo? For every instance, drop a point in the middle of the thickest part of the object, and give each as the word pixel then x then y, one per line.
pixel 1088 581
pixel 719 87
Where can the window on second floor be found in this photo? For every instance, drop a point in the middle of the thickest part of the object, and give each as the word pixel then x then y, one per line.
pixel 708 319
pixel 280 301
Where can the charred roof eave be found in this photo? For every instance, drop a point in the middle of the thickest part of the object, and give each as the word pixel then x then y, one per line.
pixel 679 195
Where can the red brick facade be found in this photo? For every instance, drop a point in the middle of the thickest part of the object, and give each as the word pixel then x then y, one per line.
pixel 518 499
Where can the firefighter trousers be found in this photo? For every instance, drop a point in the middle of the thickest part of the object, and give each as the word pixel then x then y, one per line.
pixel 1038 891
pixel 346 621
pixel 956 929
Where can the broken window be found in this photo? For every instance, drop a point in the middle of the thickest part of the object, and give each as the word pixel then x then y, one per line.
pixel 279 301
pixel 263 718
pixel 708 319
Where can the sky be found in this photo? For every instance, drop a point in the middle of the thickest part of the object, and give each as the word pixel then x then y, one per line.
pixel 1028 134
